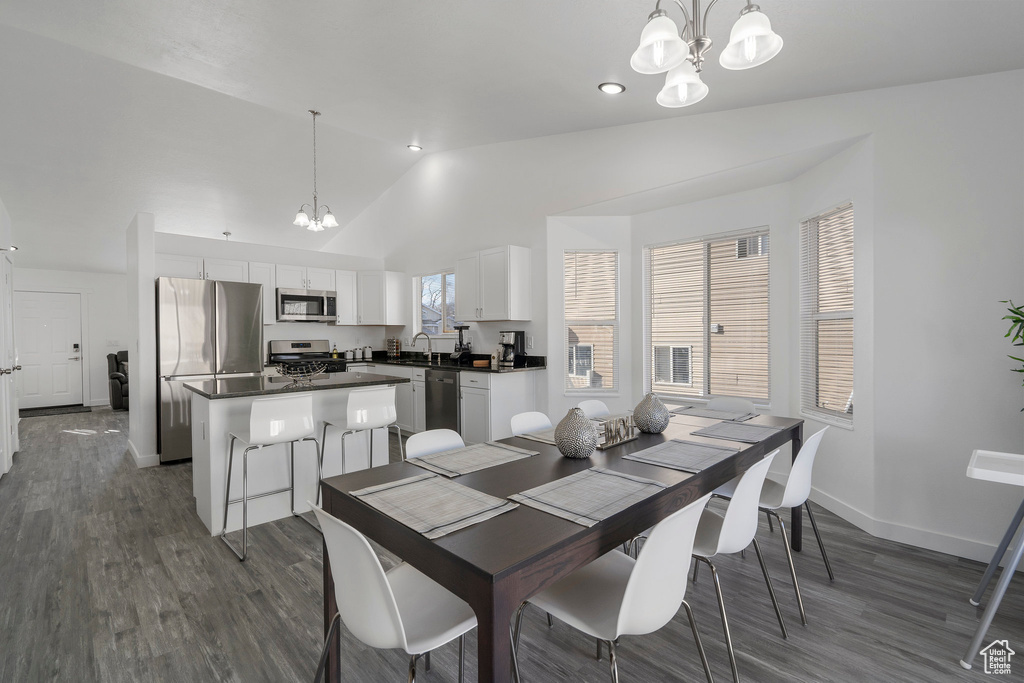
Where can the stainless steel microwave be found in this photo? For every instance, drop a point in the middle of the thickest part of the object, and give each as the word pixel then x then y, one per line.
pixel 306 305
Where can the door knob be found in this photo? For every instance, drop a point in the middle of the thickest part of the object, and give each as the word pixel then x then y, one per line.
pixel 17 367
pixel 73 357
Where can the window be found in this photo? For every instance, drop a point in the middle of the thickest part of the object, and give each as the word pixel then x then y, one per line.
pixel 826 315
pixel 706 317
pixel 437 303
pixel 672 365
pixel 591 280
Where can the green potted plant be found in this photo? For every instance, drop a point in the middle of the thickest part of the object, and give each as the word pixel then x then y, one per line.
pixel 1016 331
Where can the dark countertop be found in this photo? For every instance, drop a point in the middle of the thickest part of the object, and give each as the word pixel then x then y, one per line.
pixel 445 364
pixel 239 387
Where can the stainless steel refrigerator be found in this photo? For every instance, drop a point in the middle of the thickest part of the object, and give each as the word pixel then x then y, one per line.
pixel 205 329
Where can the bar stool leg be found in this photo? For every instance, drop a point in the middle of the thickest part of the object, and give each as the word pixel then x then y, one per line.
pixel 227 486
pixel 291 453
pixel 245 503
pixel 401 449
pixel 993 604
pixel 1000 551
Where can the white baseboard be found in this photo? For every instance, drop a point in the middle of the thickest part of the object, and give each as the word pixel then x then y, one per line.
pixel 142 460
pixel 901 533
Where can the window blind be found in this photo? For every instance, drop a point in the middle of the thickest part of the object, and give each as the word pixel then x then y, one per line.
pixel 591 281
pixel 827 315
pixel 711 298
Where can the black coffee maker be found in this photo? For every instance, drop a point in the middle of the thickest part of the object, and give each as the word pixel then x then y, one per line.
pixel 463 350
pixel 512 344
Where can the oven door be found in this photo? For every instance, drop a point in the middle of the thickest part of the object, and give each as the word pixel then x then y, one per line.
pixel 303 305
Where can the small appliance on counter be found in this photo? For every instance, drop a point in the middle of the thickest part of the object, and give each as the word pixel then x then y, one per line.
pixel 511 345
pixel 463 349
pixel 299 353
pixel 394 347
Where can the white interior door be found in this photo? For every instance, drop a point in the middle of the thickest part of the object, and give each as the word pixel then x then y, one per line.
pixel 8 359
pixel 48 330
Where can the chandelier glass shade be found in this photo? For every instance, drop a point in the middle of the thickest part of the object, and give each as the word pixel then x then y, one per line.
pixel 663 48
pixel 318 222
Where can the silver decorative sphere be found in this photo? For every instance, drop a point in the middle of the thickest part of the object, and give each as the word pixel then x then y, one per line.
pixel 575 435
pixel 651 415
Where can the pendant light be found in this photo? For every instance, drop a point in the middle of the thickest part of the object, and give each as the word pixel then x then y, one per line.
pixel 663 48
pixel 302 219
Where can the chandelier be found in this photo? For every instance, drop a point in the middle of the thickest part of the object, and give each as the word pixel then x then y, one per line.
pixel 302 219
pixel 664 48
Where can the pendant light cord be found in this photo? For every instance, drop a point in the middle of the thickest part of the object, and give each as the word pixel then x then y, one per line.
pixel 315 114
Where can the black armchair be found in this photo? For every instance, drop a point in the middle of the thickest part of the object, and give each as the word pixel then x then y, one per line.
pixel 117 366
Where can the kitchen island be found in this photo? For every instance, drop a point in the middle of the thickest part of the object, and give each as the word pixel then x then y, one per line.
pixel 220 407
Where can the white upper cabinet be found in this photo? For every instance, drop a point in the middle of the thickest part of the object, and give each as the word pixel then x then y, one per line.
pixel 226 270
pixel 263 274
pixel 346 287
pixel 467 288
pixel 320 279
pixel 381 298
pixel 300 277
pixel 291 277
pixel 493 284
pixel 197 268
pixel 172 265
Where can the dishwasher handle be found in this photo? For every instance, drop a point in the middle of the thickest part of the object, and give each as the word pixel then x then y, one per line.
pixel 446 380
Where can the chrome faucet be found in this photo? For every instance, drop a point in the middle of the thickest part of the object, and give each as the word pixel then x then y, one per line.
pixel 430 353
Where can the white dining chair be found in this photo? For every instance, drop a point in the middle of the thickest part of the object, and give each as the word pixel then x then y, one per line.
pixel 792 492
pixel 594 409
pixel 432 441
pixel 398 609
pixel 731 532
pixel 616 595
pixel 273 420
pixel 531 421
pixel 731 404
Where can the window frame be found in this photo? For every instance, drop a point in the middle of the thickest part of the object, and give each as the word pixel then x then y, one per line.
pixel 810 317
pixel 614 323
pixel 760 232
pixel 418 301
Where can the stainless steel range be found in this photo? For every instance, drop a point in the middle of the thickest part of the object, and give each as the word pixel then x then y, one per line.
pixel 303 353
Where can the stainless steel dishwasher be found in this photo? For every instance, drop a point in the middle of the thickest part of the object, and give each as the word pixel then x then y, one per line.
pixel 442 399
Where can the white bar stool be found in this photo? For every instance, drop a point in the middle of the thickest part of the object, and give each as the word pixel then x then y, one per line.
pixel 279 419
pixel 1006 468
pixel 370 408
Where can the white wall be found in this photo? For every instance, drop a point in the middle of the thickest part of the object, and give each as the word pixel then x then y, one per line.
pixel 142 340
pixel 104 322
pixel 940 183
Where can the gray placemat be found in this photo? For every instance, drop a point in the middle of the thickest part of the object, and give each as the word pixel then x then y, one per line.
pixel 543 436
pixel 471 458
pixel 589 496
pixel 432 505
pixel 687 456
pixel 698 411
pixel 737 431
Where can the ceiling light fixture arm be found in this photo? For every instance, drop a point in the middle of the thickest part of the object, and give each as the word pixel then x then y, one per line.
pixel 694 33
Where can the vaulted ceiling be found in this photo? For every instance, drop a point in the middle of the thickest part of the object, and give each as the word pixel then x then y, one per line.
pixel 196 111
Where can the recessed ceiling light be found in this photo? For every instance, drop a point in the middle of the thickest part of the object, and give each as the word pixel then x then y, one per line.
pixel 612 88
pixel 415 148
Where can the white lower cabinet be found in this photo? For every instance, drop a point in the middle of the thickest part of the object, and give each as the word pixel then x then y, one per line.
pixel 476 415
pixel 419 400
pixel 489 400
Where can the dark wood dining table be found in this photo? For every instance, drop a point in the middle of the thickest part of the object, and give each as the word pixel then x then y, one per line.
pixel 497 564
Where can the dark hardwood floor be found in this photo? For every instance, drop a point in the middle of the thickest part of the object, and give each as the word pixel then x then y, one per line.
pixel 106 574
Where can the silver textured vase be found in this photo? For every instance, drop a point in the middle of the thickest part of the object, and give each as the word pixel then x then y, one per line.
pixel 651 415
pixel 575 435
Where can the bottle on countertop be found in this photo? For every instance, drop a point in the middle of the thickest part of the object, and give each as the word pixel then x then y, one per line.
pixel 334 351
